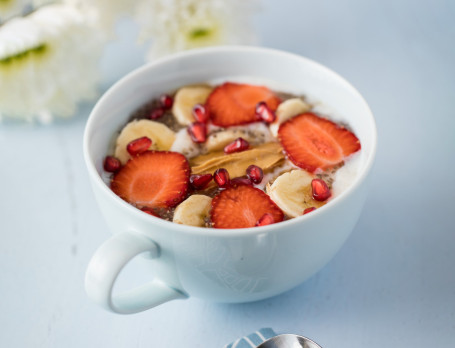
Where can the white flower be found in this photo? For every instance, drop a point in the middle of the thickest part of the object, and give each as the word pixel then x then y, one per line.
pixel 105 12
pixel 11 8
pixel 176 25
pixel 48 63
pixel 39 3
pixel 14 8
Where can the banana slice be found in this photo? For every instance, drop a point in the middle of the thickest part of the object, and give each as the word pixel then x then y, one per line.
pixel 292 192
pixel 193 211
pixel 184 101
pixel 254 134
pixel 162 137
pixel 286 110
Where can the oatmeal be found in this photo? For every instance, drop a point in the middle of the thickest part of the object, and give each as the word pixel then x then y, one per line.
pixel 231 155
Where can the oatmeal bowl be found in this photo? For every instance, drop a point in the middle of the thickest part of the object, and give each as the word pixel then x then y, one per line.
pixel 235 172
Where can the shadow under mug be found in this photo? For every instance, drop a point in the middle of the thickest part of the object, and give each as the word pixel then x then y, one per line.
pixel 232 265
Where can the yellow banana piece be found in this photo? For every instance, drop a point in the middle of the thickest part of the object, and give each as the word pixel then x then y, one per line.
pixel 292 192
pixel 162 137
pixel 184 101
pixel 193 211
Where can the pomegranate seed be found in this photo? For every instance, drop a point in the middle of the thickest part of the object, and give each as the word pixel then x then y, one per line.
pixel 150 212
pixel 266 219
pixel 255 173
pixel 201 181
pixel 221 177
pixel 198 132
pixel 237 145
pixel 308 210
pixel 111 164
pixel 321 191
pixel 200 113
pixel 241 180
pixel 138 146
pixel 264 112
pixel 156 113
pixel 166 101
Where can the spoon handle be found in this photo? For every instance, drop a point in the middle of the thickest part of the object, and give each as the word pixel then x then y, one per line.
pixel 289 341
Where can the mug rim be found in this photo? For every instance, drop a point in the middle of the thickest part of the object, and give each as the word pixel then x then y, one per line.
pixel 361 177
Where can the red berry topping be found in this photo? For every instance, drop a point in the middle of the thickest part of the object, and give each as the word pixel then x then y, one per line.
pixel 266 219
pixel 156 179
pixel 308 210
pixel 242 206
pixel 241 180
pixel 313 142
pixel 198 132
pixel 111 164
pixel 237 145
pixel 321 191
pixel 138 146
pixel 233 104
pixel 264 113
pixel 150 212
pixel 166 101
pixel 255 173
pixel 200 113
pixel 221 177
pixel 156 113
pixel 200 181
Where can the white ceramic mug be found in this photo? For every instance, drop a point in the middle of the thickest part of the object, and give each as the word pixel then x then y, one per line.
pixel 215 264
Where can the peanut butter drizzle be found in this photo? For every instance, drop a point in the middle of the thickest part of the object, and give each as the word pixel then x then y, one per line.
pixel 267 156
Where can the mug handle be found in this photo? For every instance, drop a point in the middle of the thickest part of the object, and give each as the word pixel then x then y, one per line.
pixel 105 266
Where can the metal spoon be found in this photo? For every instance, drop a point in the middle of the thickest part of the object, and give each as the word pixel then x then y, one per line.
pixel 289 341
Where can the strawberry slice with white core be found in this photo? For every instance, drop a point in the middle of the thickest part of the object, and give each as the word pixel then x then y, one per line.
pixel 243 206
pixel 154 179
pixel 234 103
pixel 312 142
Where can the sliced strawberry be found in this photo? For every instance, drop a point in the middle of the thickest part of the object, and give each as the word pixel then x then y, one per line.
pixel 313 142
pixel 232 103
pixel 155 179
pixel 150 212
pixel 242 206
pixel 266 219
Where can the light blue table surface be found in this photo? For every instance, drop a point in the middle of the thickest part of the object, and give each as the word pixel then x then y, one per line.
pixel 391 285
